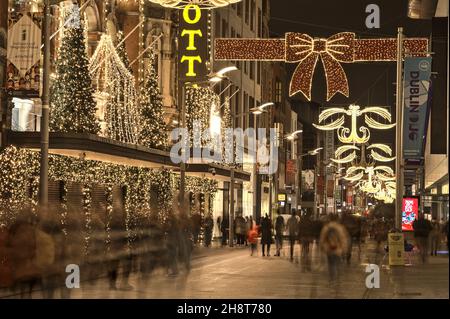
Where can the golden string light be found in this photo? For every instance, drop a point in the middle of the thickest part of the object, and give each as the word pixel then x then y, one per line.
pixel 305 50
pixel 114 81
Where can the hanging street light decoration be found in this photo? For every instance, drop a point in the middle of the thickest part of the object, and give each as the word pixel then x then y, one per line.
pixel 351 135
pixel 306 50
pixel 202 4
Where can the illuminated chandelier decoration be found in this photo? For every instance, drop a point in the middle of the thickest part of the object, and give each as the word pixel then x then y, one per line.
pixel 306 50
pixel 340 151
pixel 202 4
pixel 115 83
pixel 351 135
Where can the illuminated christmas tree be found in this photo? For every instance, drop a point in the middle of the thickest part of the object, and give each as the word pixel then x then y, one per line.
pixel 73 106
pixel 153 128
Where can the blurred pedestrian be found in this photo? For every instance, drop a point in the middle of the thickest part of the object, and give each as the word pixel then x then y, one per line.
pixel 208 226
pixel 21 248
pixel 224 228
pixel 334 243
pixel 252 238
pixel 435 237
pixel 305 236
pixel 422 228
pixel 353 227
pixel 172 234
pixel 240 228
pixel 279 232
pixel 292 228
pixel 380 230
pixel 196 226
pixel 266 235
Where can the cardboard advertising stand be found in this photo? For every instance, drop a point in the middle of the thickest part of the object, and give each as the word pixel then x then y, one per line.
pixel 396 249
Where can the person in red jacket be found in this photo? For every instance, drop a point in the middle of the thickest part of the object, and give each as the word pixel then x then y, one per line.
pixel 252 238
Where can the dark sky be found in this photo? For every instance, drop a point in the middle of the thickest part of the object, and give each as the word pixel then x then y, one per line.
pixel 370 83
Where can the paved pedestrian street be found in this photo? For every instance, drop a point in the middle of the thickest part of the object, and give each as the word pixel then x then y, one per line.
pixel 233 273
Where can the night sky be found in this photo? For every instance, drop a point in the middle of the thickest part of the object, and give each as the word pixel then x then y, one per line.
pixel 370 83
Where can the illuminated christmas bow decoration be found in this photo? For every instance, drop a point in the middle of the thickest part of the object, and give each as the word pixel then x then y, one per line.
pixel 303 49
pixel 340 151
pixel 351 135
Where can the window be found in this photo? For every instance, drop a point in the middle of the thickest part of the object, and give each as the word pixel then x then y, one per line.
pixel 245 111
pixel 247 10
pixel 233 33
pixel 251 104
pixel 224 28
pixel 258 72
pixel 259 22
pixel 217 25
pixel 236 109
pixel 252 15
pixel 278 91
pixel 252 70
pixel 239 9
pixel 245 67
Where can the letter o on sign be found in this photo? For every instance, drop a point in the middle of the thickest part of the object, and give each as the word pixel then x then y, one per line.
pixel 197 12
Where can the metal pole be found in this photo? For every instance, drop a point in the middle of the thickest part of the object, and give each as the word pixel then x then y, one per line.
pixel 231 212
pixel 43 183
pixel 181 101
pixel 255 172
pixel 399 131
pixel 315 191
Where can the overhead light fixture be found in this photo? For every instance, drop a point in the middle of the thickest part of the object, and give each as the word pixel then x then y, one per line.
pixel 203 4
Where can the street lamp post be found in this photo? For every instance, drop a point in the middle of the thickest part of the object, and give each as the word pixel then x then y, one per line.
pixel 257 111
pixel 43 184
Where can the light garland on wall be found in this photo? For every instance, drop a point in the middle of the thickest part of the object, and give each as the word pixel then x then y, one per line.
pixel 113 79
pixel 19 166
pixel 199 101
pixel 304 50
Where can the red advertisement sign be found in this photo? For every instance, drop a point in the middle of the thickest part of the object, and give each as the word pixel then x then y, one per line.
pixel 410 212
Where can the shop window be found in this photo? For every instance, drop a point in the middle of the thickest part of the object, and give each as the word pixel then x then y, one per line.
pixel 26 115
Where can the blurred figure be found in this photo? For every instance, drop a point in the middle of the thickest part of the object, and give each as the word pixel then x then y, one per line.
pixel 74 245
pixel 96 250
pixel 224 228
pixel 266 235
pixel 185 242
pixel 22 245
pixel 279 230
pixel 172 231
pixel 380 230
pixel 334 243
pixel 306 237
pixel 422 228
pixel 119 254
pixel 353 227
pixel 253 238
pixel 208 226
pixel 240 228
pixel 292 228
pixel 435 237
pixel 6 272
pixel 196 226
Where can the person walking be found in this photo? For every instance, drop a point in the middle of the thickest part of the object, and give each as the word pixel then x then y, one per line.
pixel 334 243
pixel 224 228
pixel 266 235
pixel 208 226
pixel 292 227
pixel 306 237
pixel 435 237
pixel 279 231
pixel 252 238
pixel 422 229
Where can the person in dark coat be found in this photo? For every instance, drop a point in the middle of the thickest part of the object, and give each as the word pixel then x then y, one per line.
pixel 224 228
pixel 422 229
pixel 279 232
pixel 208 226
pixel 266 235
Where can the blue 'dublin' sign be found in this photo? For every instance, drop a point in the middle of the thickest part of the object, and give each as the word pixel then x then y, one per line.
pixel 416 98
